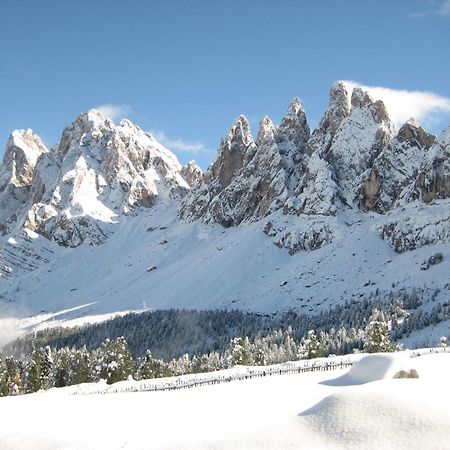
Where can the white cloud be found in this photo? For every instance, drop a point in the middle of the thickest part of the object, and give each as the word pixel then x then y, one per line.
pixel 444 8
pixel 178 144
pixel 426 107
pixel 113 111
pixel 438 8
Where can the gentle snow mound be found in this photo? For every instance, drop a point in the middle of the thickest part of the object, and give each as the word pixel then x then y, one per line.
pixel 375 367
pixel 386 415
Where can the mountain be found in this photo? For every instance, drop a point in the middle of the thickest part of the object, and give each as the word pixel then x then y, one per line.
pixel 108 220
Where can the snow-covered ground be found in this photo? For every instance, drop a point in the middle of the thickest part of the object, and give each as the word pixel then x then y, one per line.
pixel 198 266
pixel 363 407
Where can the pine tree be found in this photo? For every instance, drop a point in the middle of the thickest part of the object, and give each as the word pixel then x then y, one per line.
pixel 240 352
pixel 313 348
pixel 114 360
pixel 377 336
pixel 33 372
pixel 47 368
pixel 82 366
pixel 153 368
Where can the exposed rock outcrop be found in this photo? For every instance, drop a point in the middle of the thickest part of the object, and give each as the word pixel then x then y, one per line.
pixel 395 168
pixel 16 173
pixel 359 140
pixel 416 227
pixel 433 181
pixel 192 173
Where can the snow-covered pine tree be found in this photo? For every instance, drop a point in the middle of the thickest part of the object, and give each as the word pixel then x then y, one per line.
pixel 153 368
pixel 313 348
pixel 47 368
pixel 82 366
pixel 33 372
pixel 239 352
pixel 377 337
pixel 114 361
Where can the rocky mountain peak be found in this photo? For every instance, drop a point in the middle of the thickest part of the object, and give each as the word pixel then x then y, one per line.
pixel 267 131
pixel 232 152
pixel 294 125
pixel 433 181
pixel 192 173
pixel 338 109
pixel 16 172
pixel 22 151
pixel 413 133
pixel 98 172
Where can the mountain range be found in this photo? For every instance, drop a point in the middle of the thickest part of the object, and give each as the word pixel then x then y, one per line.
pixel 108 220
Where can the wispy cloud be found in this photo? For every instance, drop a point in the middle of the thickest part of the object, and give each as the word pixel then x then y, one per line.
pixel 193 148
pixel 113 111
pixel 426 107
pixel 436 8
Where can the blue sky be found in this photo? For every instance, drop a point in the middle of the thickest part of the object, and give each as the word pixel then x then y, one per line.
pixel 186 69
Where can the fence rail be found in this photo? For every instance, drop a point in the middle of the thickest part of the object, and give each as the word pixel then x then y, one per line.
pixel 218 378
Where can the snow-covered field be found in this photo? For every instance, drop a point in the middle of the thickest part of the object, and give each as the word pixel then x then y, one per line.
pixel 361 408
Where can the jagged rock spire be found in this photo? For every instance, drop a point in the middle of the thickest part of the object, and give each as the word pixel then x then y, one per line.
pixel 294 126
pixel 22 151
pixel 232 152
pixel 16 172
pixel 338 109
pixel 192 173
pixel 359 140
pixel 266 132
pixel 433 181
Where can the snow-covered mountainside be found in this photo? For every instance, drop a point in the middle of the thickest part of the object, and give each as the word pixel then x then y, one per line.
pixel 288 220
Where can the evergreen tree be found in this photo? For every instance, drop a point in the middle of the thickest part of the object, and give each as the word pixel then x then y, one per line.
pixel 33 372
pixel 377 336
pixel 240 352
pixel 82 366
pixel 47 368
pixel 114 361
pixel 153 368
pixel 313 348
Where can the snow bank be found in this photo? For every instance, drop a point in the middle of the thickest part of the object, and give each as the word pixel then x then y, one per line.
pixel 375 367
pixel 391 415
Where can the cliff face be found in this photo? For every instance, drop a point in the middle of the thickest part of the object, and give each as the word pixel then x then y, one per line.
pixel 16 173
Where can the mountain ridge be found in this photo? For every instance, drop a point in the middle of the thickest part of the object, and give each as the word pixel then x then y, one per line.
pixel 109 220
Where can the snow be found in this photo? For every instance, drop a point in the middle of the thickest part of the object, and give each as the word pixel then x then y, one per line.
pixel 289 411
pixel 373 368
pixel 250 270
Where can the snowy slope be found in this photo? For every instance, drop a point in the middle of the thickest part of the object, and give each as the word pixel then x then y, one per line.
pixel 321 410
pixel 202 266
